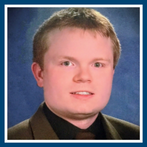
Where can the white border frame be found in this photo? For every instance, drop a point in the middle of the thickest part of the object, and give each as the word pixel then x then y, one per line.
pixel 75 141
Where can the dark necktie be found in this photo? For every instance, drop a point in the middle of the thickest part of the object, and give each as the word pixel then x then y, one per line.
pixel 84 135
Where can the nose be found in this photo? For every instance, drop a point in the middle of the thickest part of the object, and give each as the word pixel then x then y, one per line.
pixel 83 75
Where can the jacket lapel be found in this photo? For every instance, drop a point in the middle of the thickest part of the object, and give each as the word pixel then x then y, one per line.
pixel 40 126
pixel 111 132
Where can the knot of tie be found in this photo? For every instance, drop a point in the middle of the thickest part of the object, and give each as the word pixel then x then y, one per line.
pixel 85 135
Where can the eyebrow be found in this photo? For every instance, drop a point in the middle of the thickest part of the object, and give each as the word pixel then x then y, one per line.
pixel 75 60
pixel 101 59
pixel 68 58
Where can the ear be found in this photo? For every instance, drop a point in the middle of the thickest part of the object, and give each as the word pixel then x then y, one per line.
pixel 38 73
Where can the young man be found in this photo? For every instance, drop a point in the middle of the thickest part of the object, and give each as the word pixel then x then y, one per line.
pixel 75 53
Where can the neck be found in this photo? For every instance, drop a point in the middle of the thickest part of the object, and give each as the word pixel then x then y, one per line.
pixel 82 123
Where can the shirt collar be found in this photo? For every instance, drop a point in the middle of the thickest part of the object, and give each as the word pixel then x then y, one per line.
pixel 66 130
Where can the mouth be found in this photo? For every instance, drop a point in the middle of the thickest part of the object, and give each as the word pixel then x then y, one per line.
pixel 82 93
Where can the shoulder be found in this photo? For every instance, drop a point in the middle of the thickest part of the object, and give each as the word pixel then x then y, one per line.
pixel 20 131
pixel 125 129
pixel 37 127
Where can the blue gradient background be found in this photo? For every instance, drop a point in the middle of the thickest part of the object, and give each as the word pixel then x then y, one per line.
pixel 24 96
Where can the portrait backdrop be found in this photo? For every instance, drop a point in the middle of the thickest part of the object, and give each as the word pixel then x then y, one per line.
pixel 24 96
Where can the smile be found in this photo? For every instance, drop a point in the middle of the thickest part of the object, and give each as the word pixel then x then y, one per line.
pixel 82 93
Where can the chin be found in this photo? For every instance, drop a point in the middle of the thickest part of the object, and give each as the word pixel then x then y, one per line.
pixel 85 113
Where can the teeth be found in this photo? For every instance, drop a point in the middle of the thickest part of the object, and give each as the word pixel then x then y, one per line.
pixel 82 93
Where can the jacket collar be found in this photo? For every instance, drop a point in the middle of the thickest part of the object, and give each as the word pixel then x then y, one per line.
pixel 40 126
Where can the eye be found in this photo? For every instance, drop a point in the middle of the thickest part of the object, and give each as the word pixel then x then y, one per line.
pixel 97 64
pixel 67 63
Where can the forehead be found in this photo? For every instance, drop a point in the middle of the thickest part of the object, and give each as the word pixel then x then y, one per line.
pixel 70 31
pixel 75 41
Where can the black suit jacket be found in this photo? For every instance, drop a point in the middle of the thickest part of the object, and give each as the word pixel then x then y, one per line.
pixel 38 128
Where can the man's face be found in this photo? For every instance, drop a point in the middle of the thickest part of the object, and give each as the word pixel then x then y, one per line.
pixel 78 72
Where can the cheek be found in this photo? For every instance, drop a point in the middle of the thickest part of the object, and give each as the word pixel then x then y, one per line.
pixel 107 79
pixel 104 84
pixel 103 91
pixel 52 87
pixel 106 75
pixel 55 80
